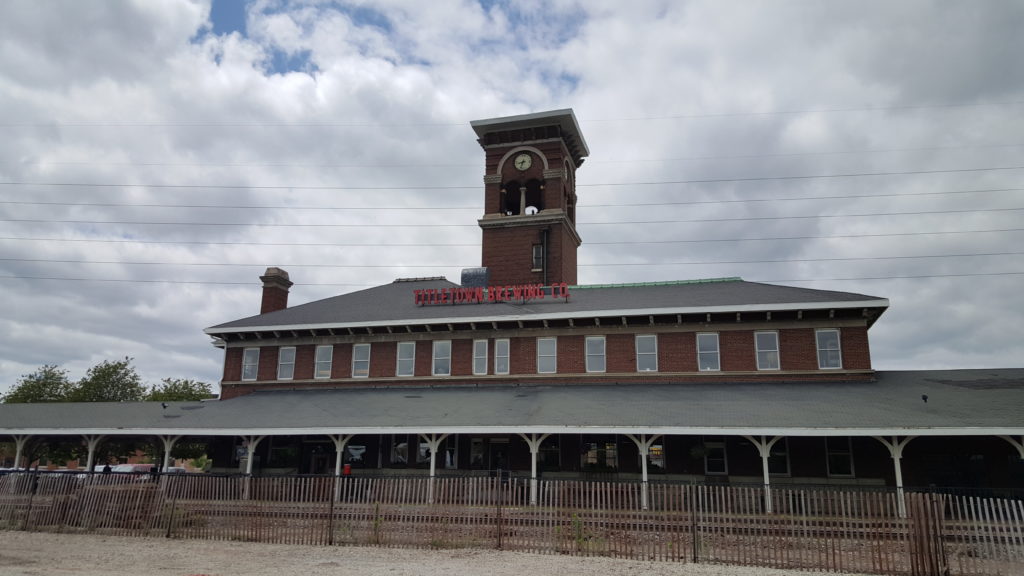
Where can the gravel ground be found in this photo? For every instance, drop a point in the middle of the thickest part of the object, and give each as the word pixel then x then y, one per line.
pixel 40 554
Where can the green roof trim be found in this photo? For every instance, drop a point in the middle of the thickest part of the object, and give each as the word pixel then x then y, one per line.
pixel 666 283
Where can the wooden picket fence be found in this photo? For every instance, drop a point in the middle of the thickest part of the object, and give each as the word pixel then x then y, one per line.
pixel 812 529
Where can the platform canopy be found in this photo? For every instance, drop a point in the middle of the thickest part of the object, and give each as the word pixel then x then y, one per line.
pixel 918 403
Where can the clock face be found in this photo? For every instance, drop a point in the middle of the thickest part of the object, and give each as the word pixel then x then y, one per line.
pixel 523 161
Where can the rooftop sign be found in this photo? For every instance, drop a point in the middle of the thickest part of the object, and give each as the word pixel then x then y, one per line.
pixel 480 295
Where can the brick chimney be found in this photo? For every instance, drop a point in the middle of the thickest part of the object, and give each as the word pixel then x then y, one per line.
pixel 275 290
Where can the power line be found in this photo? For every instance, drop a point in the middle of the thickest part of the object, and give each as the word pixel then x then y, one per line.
pixel 590 161
pixel 475 187
pixel 476 207
pixel 212 283
pixel 907 277
pixel 601 265
pixel 364 124
pixel 477 244
pixel 436 225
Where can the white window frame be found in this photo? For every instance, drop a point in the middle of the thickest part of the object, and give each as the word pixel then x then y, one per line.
pixel 480 357
pixel 358 372
pixel 838 349
pixel 648 355
pixel 411 360
pixel 553 355
pixel 716 444
pixel 780 450
pixel 717 352
pixel 499 344
pixel 285 369
pixel 438 355
pixel 758 351
pixel 848 452
pixel 537 258
pixel 253 362
pixel 596 361
pixel 322 367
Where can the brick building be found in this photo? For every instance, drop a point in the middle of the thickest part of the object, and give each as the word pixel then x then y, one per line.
pixel 519 368
pixel 522 326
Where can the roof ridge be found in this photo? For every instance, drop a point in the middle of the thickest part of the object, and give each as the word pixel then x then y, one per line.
pixel 663 283
pixel 422 279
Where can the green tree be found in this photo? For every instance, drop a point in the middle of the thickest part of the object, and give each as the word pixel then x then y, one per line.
pixel 47 384
pixel 110 382
pixel 179 389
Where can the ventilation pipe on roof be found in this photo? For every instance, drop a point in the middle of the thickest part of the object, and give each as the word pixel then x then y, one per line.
pixel 275 290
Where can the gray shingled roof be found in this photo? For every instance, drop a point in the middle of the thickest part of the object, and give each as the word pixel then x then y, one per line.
pixel 394 304
pixel 960 402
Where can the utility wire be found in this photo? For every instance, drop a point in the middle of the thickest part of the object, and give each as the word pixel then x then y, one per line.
pixel 475 187
pixel 436 225
pixel 363 124
pixel 590 161
pixel 477 244
pixel 464 265
pixel 121 280
pixel 477 207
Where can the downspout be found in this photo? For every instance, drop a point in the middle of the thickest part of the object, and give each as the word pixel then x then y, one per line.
pixel 544 248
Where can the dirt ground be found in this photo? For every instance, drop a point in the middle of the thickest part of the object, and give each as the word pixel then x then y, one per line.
pixel 42 554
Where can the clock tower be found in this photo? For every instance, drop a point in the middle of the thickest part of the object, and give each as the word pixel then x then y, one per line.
pixel 529 221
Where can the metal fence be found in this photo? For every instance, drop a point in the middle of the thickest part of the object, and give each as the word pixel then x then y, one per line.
pixel 810 528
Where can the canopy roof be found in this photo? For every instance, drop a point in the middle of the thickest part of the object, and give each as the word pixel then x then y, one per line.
pixel 945 403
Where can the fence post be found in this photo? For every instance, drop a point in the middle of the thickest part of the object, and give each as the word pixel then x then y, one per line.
pixel 174 503
pixel 33 484
pixel 330 511
pixel 694 507
pixel 500 495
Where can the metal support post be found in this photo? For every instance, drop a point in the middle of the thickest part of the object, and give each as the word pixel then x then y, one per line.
pixel 896 446
pixel 533 441
pixel 764 448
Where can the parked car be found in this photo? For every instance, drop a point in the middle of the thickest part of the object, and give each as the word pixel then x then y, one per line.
pixel 141 471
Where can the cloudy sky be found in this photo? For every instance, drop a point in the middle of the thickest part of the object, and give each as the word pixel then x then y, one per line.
pixel 156 157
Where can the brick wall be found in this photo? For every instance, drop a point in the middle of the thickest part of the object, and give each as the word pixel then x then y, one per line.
pixel 305 360
pixel 677 358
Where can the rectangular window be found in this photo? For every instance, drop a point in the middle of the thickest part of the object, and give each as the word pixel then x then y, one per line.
pixel 656 459
pixel 715 462
pixel 829 355
pixel 360 360
pixel 406 362
pixel 399 452
pixel 707 352
pixel 778 458
pixel 250 363
pixel 450 452
pixel 646 353
pixel 443 358
pixel 480 357
pixel 767 345
pixel 549 457
pixel 286 363
pixel 599 454
pixel 595 346
pixel 839 455
pixel 501 354
pixel 547 355
pixel 538 257
pixel 322 362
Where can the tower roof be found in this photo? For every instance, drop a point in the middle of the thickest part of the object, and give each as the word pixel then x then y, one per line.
pixel 564 119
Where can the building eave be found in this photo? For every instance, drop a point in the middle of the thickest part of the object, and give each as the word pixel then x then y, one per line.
pixel 742 308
